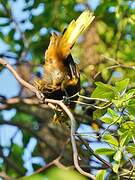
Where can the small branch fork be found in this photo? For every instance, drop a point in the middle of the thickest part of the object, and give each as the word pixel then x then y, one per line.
pixel 50 103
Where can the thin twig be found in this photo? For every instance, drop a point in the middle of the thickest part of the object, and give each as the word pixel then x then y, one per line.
pixel 93 153
pixel 110 59
pixel 116 65
pixel 87 98
pixel 55 162
pixel 92 105
pixel 91 99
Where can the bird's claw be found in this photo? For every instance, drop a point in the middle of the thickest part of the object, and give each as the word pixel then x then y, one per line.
pixel 66 100
pixel 40 96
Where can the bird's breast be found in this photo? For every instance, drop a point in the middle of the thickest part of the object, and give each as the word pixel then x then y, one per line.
pixel 55 72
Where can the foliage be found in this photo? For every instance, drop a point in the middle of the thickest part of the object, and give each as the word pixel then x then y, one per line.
pixel 56 174
pixel 121 115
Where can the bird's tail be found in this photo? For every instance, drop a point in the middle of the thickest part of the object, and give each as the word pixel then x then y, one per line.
pixel 74 29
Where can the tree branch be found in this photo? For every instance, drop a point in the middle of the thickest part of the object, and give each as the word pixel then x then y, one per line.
pixel 7 103
pixel 50 102
pixel 55 162
pixel 93 153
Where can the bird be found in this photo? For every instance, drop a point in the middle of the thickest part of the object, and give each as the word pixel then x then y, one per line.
pixel 61 74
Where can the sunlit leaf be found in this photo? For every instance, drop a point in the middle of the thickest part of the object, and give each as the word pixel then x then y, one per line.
pixel 121 86
pixel 98 113
pixel 110 139
pixel 116 166
pixel 112 113
pixel 131 107
pixel 117 156
pixel 101 175
pixel 105 151
pixel 131 149
pixel 103 91
pixel 106 120
pixel 125 138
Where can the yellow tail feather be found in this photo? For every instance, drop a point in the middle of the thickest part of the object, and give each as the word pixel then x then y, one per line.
pixel 74 29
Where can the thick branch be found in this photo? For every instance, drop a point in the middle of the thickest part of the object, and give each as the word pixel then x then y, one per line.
pixel 5 104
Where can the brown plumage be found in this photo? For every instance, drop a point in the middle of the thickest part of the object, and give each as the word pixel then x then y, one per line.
pixel 61 74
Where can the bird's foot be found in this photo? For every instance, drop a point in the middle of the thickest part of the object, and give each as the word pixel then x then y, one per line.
pixel 40 96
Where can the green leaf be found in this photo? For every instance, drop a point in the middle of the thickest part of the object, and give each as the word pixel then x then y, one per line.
pixel 105 74
pixel 101 175
pixel 106 120
pixel 60 174
pixel 98 113
pixel 118 102
pixel 103 91
pixel 112 113
pixel 113 176
pixel 106 151
pixel 118 156
pixel 130 126
pixel 34 177
pixel 110 139
pixel 125 138
pixel 121 86
pixel 116 166
pixel 131 107
pixel 110 117
pixel 124 101
pixel 131 149
pixel 11 33
pixel 55 173
pixel 130 93
pixel 25 118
